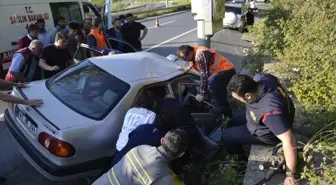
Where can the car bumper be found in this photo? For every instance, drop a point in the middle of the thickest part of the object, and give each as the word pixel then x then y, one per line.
pixel 44 165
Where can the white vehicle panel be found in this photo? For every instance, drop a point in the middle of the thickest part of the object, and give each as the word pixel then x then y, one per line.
pixel 67 119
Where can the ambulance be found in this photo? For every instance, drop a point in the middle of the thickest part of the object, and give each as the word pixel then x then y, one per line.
pixel 17 15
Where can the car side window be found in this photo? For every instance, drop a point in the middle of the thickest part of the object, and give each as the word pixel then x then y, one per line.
pixel 121 45
pixel 180 90
pixel 70 11
pixel 186 89
pixel 90 11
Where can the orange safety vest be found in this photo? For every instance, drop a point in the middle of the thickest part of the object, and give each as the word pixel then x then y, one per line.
pixel 220 62
pixel 100 40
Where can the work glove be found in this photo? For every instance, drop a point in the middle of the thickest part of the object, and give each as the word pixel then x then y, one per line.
pixel 199 98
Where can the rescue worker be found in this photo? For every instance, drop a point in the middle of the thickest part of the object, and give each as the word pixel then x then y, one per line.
pixel 140 114
pixel 24 66
pixel 97 39
pixel 216 72
pixel 146 164
pixel 179 118
pixel 33 32
pixel 145 134
pixel 268 118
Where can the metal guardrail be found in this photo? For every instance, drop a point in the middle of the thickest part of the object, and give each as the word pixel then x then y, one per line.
pixel 127 9
pixel 154 10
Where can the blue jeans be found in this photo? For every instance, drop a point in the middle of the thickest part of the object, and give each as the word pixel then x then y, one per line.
pixel 234 137
pixel 217 85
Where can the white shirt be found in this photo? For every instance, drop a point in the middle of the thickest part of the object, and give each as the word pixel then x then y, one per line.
pixel 253 5
pixel 134 117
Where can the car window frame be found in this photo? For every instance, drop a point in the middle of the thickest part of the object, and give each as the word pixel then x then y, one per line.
pixel 95 11
pixel 107 112
pixel 52 8
pixel 115 39
pixel 87 47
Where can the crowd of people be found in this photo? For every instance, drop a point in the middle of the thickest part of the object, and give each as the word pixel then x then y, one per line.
pixel 42 54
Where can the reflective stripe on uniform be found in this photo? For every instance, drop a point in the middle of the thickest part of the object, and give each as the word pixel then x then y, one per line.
pixel 114 180
pixel 217 62
pixel 139 169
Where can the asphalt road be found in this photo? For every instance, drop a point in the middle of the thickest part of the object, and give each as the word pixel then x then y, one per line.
pixel 175 30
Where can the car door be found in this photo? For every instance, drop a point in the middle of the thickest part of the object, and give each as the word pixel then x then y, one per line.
pixel 120 45
pixel 84 51
pixel 185 89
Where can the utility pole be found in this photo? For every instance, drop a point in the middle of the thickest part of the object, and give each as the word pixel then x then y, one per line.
pixel 203 13
pixel 166 4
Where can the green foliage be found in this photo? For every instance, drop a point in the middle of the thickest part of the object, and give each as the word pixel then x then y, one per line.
pixel 301 34
pixel 320 154
pixel 216 170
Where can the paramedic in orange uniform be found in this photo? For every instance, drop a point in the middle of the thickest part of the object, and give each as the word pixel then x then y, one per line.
pixel 97 38
pixel 216 72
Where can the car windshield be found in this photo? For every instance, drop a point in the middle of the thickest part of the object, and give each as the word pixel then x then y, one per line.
pixel 88 90
pixel 235 10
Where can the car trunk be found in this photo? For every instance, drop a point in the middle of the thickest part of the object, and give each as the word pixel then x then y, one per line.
pixel 54 111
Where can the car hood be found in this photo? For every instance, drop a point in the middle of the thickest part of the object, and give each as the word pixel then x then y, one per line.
pixel 52 109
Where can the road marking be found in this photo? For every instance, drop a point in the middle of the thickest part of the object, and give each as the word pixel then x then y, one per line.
pixel 162 24
pixel 164 42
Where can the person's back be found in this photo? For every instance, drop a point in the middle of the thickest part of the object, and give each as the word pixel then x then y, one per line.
pixel 147 134
pixel 138 115
pixel 146 164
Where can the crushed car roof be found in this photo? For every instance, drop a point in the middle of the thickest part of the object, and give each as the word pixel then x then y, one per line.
pixel 132 67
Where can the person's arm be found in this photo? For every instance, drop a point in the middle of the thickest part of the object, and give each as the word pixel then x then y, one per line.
pixel 43 64
pixel 12 99
pixel 15 67
pixel 7 85
pixel 70 61
pixel 277 123
pixel 202 59
pixel 144 31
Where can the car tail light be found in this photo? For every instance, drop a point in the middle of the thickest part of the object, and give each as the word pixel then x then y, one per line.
pixel 55 146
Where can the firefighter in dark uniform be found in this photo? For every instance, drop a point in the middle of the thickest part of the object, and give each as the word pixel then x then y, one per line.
pixel 268 118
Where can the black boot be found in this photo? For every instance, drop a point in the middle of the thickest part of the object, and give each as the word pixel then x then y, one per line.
pixel 2 180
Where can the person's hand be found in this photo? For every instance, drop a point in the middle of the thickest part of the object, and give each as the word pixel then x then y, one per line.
pixel 35 102
pixel 290 181
pixel 20 84
pixel 54 68
pixel 112 53
pixel 141 38
pixel 199 98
